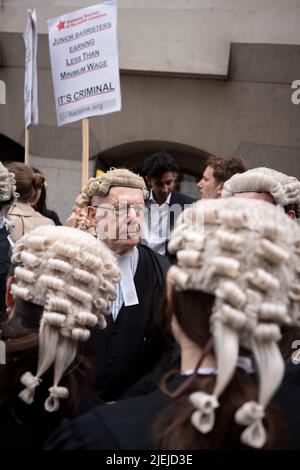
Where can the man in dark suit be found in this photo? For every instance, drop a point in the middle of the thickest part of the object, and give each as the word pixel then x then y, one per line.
pixel 164 204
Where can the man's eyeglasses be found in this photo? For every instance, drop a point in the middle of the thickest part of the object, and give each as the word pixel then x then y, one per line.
pixel 123 209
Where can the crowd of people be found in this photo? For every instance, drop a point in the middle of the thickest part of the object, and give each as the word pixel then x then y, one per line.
pixel 150 320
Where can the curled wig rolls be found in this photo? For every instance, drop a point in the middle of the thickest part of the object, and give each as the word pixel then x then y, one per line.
pixel 251 265
pixel 60 268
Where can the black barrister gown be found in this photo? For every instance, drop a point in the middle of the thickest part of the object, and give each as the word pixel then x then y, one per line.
pixel 5 252
pixel 133 345
pixel 26 427
pixel 129 424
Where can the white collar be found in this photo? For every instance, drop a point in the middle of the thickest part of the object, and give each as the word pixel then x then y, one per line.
pixel 242 362
pixel 128 266
pixel 201 371
pixel 152 198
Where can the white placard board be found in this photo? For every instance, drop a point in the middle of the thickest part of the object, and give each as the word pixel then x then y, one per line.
pixel 85 64
pixel 31 114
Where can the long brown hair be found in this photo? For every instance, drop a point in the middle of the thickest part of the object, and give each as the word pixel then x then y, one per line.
pixel 29 184
pixel 41 205
pixel 20 334
pixel 173 429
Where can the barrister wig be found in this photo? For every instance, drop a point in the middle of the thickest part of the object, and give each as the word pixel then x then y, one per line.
pixel 73 277
pixel 7 185
pixel 284 189
pixel 247 254
pixel 116 177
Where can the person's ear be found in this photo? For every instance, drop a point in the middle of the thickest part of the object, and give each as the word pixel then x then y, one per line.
pixel 292 214
pixel 9 299
pixel 220 188
pixel 92 215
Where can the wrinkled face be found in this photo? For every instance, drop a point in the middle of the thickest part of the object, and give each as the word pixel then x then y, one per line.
pixel 209 187
pixel 252 195
pixel 119 217
pixel 163 185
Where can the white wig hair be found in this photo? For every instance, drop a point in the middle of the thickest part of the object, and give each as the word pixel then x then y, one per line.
pixel 73 276
pixel 246 253
pixel 7 185
pixel 115 177
pixel 283 188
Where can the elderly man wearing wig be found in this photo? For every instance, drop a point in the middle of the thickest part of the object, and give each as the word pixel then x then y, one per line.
pixel 132 344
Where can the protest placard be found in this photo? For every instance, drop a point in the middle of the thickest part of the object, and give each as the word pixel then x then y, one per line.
pixel 30 85
pixel 31 114
pixel 84 62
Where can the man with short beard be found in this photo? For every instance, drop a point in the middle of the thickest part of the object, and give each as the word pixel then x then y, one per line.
pixel 217 171
pixel 164 204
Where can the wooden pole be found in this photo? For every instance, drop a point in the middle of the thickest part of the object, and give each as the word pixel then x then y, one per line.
pixel 26 158
pixel 85 151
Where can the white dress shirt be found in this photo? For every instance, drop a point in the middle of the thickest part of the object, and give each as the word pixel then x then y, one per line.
pixel 155 227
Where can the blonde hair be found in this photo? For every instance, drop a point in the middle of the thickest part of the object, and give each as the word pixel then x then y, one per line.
pixel 246 253
pixel 73 277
